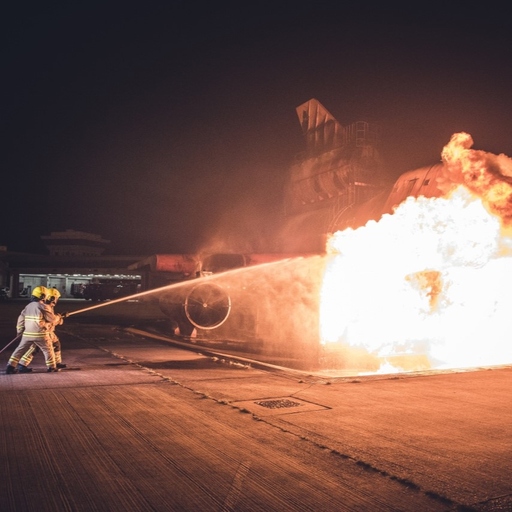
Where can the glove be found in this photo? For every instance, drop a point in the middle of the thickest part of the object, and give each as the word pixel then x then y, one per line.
pixel 64 315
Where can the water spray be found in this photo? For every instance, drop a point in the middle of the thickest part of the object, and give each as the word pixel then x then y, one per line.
pixel 180 284
pixel 129 297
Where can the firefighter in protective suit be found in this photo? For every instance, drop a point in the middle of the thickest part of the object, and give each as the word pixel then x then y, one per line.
pixel 33 324
pixel 51 298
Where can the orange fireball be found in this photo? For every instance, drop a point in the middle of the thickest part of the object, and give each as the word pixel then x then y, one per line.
pixel 430 285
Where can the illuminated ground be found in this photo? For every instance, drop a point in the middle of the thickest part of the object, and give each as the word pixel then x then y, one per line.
pixel 144 425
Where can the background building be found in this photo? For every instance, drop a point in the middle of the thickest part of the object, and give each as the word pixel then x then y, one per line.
pixel 75 260
pixel 74 243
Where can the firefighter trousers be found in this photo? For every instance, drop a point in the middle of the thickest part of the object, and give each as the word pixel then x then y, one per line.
pixel 45 345
pixel 28 356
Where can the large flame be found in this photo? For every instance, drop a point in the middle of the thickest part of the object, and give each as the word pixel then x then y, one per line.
pixel 430 286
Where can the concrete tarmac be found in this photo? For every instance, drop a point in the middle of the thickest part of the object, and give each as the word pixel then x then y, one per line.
pixel 140 422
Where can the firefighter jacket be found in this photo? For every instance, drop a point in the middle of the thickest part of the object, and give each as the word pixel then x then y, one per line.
pixel 35 321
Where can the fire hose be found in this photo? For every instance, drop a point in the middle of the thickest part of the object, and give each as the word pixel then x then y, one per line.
pixel 11 342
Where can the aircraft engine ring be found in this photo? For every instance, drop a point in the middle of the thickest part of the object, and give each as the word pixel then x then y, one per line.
pixel 207 306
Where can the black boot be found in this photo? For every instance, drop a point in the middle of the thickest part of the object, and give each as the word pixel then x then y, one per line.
pixel 11 369
pixel 61 365
pixel 52 369
pixel 24 369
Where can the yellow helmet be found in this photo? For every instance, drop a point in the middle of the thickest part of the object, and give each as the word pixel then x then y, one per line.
pixel 53 295
pixel 39 292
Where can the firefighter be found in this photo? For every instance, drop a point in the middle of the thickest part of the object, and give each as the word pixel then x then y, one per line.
pixel 51 298
pixel 33 324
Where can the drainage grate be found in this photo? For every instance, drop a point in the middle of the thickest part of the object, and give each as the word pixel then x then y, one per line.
pixel 278 404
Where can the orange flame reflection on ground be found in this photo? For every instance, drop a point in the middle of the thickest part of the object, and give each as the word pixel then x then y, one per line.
pixel 434 279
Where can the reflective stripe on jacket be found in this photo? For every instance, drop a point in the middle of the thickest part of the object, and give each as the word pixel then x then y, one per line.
pixel 35 321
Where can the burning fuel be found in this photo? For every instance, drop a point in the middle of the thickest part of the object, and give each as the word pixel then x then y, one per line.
pixel 429 286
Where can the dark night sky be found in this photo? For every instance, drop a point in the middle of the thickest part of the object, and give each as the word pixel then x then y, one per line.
pixel 154 124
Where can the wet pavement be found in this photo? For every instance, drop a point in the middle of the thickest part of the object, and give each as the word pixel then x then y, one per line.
pixel 140 421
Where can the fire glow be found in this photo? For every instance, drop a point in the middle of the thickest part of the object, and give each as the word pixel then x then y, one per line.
pixel 430 286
